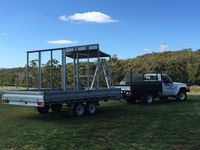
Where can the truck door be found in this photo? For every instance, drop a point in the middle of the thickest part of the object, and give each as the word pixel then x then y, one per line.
pixel 168 87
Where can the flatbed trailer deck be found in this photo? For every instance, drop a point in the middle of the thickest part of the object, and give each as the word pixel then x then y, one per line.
pixel 40 98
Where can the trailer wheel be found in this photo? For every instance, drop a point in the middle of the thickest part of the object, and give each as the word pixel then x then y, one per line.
pixel 149 99
pixel 43 110
pixel 91 108
pixel 79 109
pixel 182 96
pixel 56 107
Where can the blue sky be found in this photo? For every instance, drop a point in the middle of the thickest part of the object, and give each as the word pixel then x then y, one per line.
pixel 127 28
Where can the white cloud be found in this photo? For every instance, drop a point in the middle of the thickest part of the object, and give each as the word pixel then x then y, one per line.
pixel 3 34
pixel 95 17
pixel 62 42
pixel 164 47
pixel 146 50
pixel 63 18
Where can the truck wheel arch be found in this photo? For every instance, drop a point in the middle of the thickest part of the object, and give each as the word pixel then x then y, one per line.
pixel 183 89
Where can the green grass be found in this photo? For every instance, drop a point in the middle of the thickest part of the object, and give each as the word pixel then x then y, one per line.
pixel 11 88
pixel 116 125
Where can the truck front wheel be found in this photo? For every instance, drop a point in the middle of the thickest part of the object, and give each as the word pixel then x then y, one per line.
pixel 43 110
pixel 149 99
pixel 182 96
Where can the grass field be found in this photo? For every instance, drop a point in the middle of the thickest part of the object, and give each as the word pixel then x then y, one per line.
pixel 117 125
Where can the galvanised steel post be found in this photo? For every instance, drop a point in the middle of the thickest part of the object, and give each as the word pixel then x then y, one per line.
pixel 74 72
pixel 39 71
pixel 27 72
pixel 98 71
pixel 88 70
pixel 63 73
pixel 77 70
pixel 51 71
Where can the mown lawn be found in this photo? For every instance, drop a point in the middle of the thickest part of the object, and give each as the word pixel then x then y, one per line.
pixel 117 125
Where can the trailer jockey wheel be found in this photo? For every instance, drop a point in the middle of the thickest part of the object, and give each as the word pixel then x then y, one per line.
pixel 91 107
pixel 43 110
pixel 56 107
pixel 149 99
pixel 79 109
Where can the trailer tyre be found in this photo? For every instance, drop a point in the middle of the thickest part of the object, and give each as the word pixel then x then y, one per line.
pixel 43 110
pixel 182 96
pixel 91 108
pixel 56 107
pixel 79 109
pixel 149 99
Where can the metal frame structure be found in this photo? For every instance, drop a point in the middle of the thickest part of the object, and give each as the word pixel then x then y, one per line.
pixel 76 53
pixel 77 97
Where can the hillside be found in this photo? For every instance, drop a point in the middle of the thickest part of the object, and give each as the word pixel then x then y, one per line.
pixel 183 66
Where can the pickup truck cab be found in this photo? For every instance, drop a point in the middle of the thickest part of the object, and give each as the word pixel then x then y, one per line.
pixel 147 87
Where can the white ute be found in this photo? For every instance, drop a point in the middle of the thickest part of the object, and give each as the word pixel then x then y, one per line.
pixel 169 88
pixel 147 87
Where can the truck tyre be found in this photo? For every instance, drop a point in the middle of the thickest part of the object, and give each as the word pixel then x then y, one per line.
pixel 91 108
pixel 79 109
pixel 182 96
pixel 43 110
pixel 56 107
pixel 149 99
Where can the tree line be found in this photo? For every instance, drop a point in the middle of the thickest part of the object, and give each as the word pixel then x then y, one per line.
pixel 181 66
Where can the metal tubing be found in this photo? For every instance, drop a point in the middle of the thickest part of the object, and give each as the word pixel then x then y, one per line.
pixel 98 73
pixel 51 71
pixel 27 72
pixel 94 77
pixel 106 77
pixel 74 72
pixel 39 71
pixel 110 72
pixel 77 70
pixel 55 49
pixel 88 71
pixel 63 73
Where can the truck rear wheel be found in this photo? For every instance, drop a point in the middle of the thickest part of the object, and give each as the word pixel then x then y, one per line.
pixel 79 109
pixel 56 107
pixel 182 96
pixel 149 99
pixel 43 110
pixel 91 108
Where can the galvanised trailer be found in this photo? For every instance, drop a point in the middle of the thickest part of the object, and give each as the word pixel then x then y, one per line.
pixel 80 100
